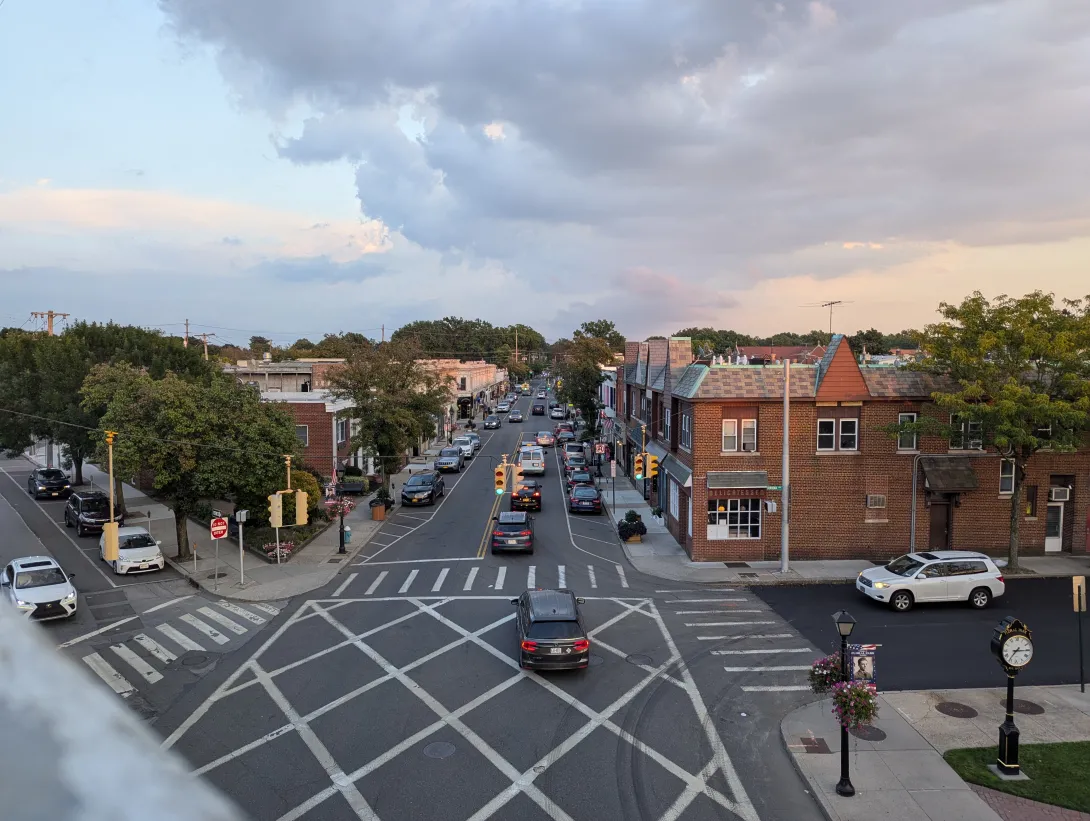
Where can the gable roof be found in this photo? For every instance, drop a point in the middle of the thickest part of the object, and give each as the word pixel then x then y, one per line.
pixel 657 382
pixel 838 375
pixel 688 380
pixel 889 382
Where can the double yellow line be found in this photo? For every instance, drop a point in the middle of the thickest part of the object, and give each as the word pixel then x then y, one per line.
pixel 485 537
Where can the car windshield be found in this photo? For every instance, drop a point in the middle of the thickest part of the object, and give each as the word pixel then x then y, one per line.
pixel 492 419
pixel 461 440
pixel 95 506
pixel 450 453
pixel 50 474
pixel 576 460
pixel 584 492
pixel 39 578
pixel 512 527
pixel 555 630
pixel 904 565
pixel 420 481
pixel 136 540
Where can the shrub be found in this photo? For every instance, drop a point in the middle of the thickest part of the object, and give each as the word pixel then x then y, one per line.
pixel 626 529
pixel 632 516
pixel 824 673
pixel 656 512
pixel 855 704
pixel 353 470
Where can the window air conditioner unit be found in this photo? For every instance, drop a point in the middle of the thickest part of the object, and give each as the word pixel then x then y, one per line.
pixel 876 500
pixel 749 446
pixel 1059 494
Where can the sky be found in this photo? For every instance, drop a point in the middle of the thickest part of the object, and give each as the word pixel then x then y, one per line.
pixel 291 169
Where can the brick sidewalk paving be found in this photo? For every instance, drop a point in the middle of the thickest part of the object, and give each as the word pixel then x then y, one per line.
pixel 1013 808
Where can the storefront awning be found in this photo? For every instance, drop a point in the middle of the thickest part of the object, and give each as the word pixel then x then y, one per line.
pixel 949 474
pixel 678 470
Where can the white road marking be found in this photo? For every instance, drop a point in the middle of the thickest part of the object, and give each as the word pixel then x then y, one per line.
pixel 374 585
pixel 395 524
pixel 531 577
pixel 701 601
pixel 422 561
pixel 149 673
pixel 590 572
pixel 624 579
pixel 714 612
pixel 725 623
pixel 223 621
pixel 114 679
pixel 97 632
pixel 267 608
pixel 759 636
pixel 181 639
pixel 469 579
pixel 501 574
pixel 770 652
pixel 205 628
pixel 408 581
pixel 722 590
pixel 439 581
pixel 155 648
pixel 786 668
pixel 563 576
pixel 591 538
pixel 340 588
pixel 166 604
pixel 777 688
pixel 240 611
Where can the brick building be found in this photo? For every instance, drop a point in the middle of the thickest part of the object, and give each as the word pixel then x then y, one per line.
pixel 324 435
pixel 718 432
pixel 472 384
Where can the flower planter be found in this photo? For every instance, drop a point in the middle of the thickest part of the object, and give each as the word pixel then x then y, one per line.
pixel 634 539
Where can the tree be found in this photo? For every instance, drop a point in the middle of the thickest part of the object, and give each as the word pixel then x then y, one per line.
pixel 605 330
pixel 20 385
pixel 873 341
pixel 470 339
pixel 209 440
pixel 581 374
pixel 1020 368
pixel 396 399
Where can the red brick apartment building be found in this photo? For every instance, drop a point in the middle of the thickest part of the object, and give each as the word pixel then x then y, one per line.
pixel 717 430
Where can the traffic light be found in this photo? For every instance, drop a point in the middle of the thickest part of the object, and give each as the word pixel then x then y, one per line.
pixel 276 510
pixel 652 466
pixel 109 541
pixel 639 466
pixel 519 475
pixel 501 480
pixel 300 507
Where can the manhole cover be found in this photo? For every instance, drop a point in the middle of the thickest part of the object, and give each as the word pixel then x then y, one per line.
pixel 867 733
pixel 439 749
pixel 195 659
pixel 595 660
pixel 1026 708
pixel 218 575
pixel 638 658
pixel 955 710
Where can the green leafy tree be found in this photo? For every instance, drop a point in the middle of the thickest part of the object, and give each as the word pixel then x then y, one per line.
pixel 20 387
pixel 208 440
pixel 581 375
pixel 605 330
pixel 1020 368
pixel 396 399
pixel 470 339
pixel 873 341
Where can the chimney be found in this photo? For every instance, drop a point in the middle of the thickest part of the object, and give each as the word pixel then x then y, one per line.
pixel 631 351
pixel 679 356
pixel 658 352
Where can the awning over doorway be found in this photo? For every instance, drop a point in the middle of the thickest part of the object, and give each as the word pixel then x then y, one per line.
pixel 949 474
pixel 678 470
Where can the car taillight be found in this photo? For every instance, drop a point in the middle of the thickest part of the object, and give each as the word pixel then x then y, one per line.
pixel 529 646
pixel 497 532
pixel 999 578
pixel 524 532
pixel 582 645
pixel 536 495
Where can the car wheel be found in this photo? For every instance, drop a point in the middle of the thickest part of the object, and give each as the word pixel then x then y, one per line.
pixel 116 571
pixel 80 531
pixel 67 521
pixel 901 601
pixel 980 598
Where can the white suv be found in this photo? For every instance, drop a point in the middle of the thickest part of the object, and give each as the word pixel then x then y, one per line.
pixel 933 576
pixel 38 588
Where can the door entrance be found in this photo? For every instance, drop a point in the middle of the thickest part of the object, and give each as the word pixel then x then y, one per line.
pixel 939 537
pixel 1054 527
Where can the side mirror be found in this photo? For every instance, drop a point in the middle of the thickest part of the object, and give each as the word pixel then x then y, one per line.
pixel 513 601
pixel 580 600
pixel 495 518
pixel 921 576
pixel 71 576
pixel 159 542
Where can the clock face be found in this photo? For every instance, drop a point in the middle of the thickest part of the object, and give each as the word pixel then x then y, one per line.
pixel 1017 651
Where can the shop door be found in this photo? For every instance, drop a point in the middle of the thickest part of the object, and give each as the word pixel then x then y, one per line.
pixel 939 538
pixel 1054 527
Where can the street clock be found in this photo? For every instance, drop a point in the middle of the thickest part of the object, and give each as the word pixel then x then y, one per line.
pixel 1012 645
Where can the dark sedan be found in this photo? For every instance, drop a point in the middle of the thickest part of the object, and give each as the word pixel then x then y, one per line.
pixel 48 482
pixel 527 496
pixel 537 410
pixel 575 462
pixel 423 488
pixel 491 422
pixel 585 499
pixel 564 436
pixel 550 630
pixel 580 476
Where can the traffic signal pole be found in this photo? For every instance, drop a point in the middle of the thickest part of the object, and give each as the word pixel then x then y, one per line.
pixel 643 450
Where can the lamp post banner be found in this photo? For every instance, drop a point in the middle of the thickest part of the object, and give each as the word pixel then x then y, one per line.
pixel 861 659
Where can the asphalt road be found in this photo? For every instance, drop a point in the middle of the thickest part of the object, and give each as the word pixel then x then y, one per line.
pixel 395 691
pixel 943 645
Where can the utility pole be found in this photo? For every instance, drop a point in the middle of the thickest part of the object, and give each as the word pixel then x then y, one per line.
pixel 48 316
pixel 785 480
pixel 185 339
pixel 204 338
pixel 516 343
pixel 830 305
pixel 383 331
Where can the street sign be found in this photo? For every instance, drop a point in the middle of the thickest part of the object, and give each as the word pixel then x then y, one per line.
pixel 599 447
pixel 613 468
pixel 1078 593
pixel 219 528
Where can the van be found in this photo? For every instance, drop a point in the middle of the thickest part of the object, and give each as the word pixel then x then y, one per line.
pixel 532 461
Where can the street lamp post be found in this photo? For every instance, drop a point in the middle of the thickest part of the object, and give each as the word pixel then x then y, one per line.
pixel 844 625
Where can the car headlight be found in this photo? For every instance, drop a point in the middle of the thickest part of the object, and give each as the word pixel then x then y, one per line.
pixel 881 585
pixel 21 603
pixel 71 597
pixel 41 487
pixel 66 487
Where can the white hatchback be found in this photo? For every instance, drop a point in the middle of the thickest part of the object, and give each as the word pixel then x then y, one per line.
pixel 934 576
pixel 137 552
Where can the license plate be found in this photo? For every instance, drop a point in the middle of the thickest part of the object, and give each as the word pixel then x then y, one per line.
pixel 556 651
pixel 585 504
pixel 512 541
pixel 144 566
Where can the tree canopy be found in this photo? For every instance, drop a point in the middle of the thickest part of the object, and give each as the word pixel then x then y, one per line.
pixel 725 341
pixel 469 339
pixel 602 329
pixel 580 372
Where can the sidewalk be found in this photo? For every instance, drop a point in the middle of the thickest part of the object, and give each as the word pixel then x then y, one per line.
pixel 900 772
pixel 313 567
pixel 660 555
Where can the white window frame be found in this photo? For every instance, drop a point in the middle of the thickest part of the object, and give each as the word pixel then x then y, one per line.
pixel 305 438
pixel 746 514
pixel 902 419
pixel 666 423
pixel 343 426
pixel 1006 477
pixel 729 441
pixel 965 438
pixel 674 493
pixel 749 435
pixel 854 434
pixel 831 423
pixel 686 431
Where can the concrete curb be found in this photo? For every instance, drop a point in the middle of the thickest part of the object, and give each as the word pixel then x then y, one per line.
pixel 820 798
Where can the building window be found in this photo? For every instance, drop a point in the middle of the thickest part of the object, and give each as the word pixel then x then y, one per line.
pixel 826 434
pixel 966 434
pixel 666 424
pixel 749 435
pixel 462 384
pixel 849 434
pixel 674 493
pixel 302 433
pixel 342 430
pixel 906 441
pixel 734 518
pixel 687 430
pixel 730 435
pixel 1006 476
pixel 1031 501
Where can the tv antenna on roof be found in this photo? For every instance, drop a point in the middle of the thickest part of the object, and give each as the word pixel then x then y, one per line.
pixel 828 305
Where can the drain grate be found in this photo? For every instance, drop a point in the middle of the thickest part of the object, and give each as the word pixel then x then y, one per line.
pixel 866 733
pixel 956 710
pixel 736 564
pixel 749 575
pixel 439 749
pixel 334 560
pixel 217 575
pixel 596 660
pixel 638 658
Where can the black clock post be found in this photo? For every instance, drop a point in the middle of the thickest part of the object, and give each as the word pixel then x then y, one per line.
pixel 1007 760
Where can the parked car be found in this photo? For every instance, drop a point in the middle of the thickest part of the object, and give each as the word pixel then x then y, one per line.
pixel 545 439
pixel 934 576
pixel 575 462
pixel 48 482
pixel 515 416
pixel 491 422
pixel 573 449
pixel 562 426
pixel 475 438
pixel 423 488
pixel 564 436
pixel 39 588
pixel 550 630
pixel 88 510
pixel 585 498
pixel 580 476
pixel 465 444
pixel 527 496
pixel 450 458
pixel 513 531
pixel 351 484
pixel 137 552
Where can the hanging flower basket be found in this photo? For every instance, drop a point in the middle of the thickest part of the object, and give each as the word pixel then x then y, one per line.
pixel 855 704
pixel 824 673
pixel 339 507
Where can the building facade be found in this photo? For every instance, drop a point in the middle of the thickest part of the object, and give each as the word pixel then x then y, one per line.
pixel 718 432
pixel 472 385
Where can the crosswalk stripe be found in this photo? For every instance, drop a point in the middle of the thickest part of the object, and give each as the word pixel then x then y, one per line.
pixel 469 579
pixel 222 620
pixel 760 636
pixel 341 587
pixel 784 668
pixel 149 673
pixel 777 688
pixel 701 601
pixel 205 628
pixel 531 577
pixel 593 580
pixel 155 648
pixel 104 671
pixel 241 611
pixel 408 581
pixel 266 608
pixel 563 576
pixel 376 583
pixel 770 652
pixel 714 612
pixel 501 574
pixel 439 582
pixel 620 572
pixel 181 639
pixel 725 623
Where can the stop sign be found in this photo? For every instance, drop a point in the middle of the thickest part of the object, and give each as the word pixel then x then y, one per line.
pixel 219 528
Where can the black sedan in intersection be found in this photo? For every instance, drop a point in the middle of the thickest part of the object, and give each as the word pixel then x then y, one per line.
pixel 527 496
pixel 423 488
pixel 585 499
pixel 550 630
pixel 48 482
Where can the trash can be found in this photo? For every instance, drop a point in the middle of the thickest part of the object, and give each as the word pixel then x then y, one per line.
pixel 378 512
pixel 347 534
